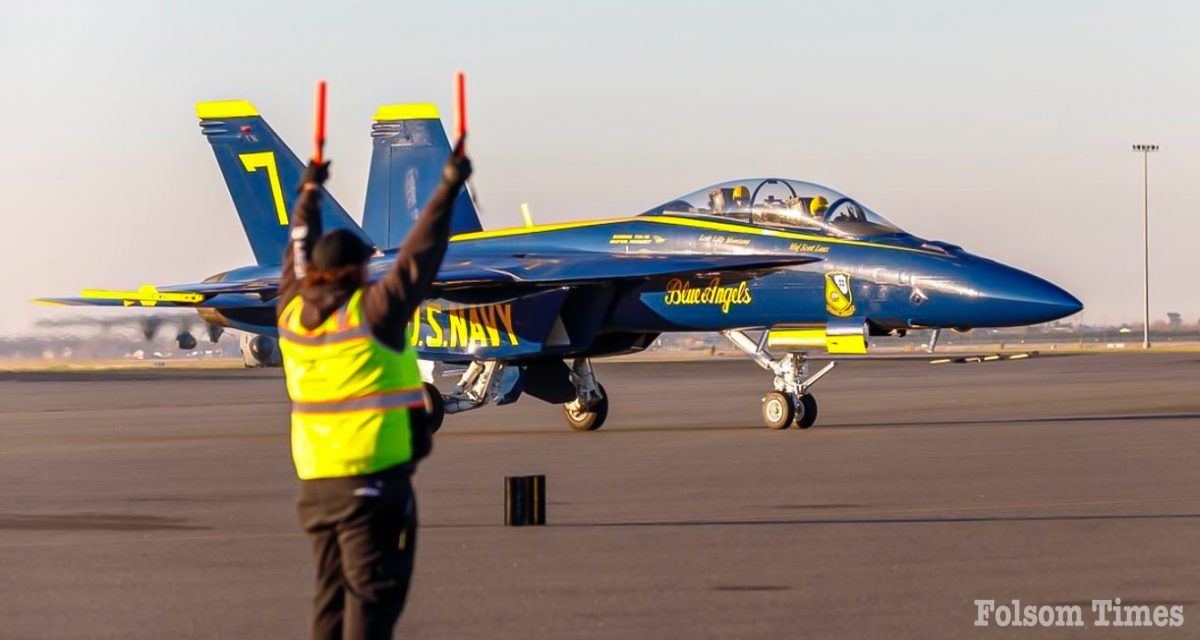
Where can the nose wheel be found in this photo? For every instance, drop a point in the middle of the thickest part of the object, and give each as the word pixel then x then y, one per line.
pixel 780 411
pixel 806 412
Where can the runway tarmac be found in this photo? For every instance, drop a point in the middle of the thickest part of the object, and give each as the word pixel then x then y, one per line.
pixel 159 504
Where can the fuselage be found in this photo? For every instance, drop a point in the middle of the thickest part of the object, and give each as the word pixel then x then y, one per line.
pixel 900 281
pixel 896 281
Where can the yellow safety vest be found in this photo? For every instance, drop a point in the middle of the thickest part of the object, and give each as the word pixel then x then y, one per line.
pixel 350 394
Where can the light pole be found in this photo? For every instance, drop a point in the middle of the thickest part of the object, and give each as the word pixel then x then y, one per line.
pixel 1145 150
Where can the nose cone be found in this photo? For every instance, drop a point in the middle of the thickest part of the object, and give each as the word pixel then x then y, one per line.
pixel 1019 298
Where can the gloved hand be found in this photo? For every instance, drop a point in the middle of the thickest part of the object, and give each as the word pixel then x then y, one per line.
pixel 458 166
pixel 315 173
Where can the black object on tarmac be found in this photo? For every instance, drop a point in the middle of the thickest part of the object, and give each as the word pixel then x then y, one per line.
pixel 524 500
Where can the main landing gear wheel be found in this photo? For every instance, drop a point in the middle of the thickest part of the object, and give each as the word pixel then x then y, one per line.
pixel 435 406
pixel 590 418
pixel 806 411
pixel 778 410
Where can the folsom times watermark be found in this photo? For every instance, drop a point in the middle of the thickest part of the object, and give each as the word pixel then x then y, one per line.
pixel 1104 613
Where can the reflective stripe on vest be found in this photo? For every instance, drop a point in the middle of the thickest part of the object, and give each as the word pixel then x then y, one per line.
pixel 350 394
pixel 389 400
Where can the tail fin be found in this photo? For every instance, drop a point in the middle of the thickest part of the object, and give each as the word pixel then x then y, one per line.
pixel 263 176
pixel 409 149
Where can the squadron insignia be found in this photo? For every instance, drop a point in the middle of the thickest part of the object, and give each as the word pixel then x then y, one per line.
pixel 839 299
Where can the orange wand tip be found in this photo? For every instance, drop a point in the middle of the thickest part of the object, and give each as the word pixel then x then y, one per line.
pixel 319 125
pixel 460 107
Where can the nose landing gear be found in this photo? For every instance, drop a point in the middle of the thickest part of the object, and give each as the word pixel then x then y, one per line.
pixel 782 410
pixel 790 403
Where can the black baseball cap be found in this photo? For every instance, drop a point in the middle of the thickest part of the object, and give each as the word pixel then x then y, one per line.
pixel 338 249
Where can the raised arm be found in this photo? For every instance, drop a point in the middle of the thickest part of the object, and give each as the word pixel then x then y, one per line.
pixel 305 229
pixel 390 303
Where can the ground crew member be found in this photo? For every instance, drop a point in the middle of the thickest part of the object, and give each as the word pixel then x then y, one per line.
pixel 358 418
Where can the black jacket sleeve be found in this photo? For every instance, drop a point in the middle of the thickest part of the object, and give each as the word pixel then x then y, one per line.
pixel 306 227
pixel 389 304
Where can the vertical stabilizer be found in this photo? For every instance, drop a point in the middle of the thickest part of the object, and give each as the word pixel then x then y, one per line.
pixel 409 148
pixel 263 176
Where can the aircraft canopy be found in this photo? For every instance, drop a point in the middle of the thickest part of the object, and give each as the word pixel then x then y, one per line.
pixel 776 202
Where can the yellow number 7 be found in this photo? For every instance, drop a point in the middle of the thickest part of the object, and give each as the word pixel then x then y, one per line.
pixel 266 160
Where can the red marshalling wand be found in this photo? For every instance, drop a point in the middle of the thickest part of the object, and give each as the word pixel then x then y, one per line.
pixel 319 127
pixel 460 107
pixel 299 257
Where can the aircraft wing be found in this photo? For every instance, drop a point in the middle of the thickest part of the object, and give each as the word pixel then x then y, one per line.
pixel 536 269
pixel 200 294
pixel 531 269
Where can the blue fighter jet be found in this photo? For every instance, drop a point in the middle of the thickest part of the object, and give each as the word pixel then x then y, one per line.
pixel 782 268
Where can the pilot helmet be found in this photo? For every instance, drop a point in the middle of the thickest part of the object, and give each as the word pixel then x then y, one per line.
pixel 817 206
pixel 741 193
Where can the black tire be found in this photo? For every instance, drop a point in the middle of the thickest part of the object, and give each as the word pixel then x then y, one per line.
pixel 435 407
pixel 591 419
pixel 806 413
pixel 778 410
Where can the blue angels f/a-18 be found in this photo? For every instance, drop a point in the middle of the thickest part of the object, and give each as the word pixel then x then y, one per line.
pixel 799 266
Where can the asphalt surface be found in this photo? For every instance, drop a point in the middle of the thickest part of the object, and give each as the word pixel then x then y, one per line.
pixel 160 504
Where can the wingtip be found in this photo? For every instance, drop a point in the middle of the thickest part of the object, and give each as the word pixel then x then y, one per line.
pixel 46 302
pixel 218 109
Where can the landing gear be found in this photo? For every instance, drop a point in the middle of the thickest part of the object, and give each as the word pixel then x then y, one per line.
pixel 778 410
pixel 435 407
pixel 589 409
pixel 478 386
pixel 484 382
pixel 790 402
pixel 582 418
pixel 806 411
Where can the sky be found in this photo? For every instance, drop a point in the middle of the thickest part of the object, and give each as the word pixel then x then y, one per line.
pixel 1004 127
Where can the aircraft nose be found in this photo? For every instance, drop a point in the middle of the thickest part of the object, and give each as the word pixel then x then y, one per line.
pixel 1027 299
pixel 1050 301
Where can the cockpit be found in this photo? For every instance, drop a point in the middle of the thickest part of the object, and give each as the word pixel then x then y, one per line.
pixel 776 202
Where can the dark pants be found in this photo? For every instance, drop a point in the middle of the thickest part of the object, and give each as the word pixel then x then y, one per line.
pixel 364 534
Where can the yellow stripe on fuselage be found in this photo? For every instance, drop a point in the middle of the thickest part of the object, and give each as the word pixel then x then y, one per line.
pixel 518 231
pixel 697 223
